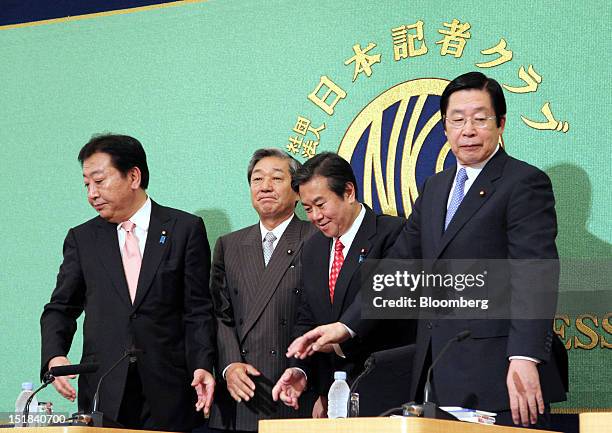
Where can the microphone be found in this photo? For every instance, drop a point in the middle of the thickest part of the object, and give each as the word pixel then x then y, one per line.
pixel 52 373
pixel 69 370
pixel 97 416
pixel 430 409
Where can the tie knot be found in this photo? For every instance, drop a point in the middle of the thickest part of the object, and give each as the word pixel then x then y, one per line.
pixel 269 237
pixel 339 246
pixel 462 175
pixel 128 226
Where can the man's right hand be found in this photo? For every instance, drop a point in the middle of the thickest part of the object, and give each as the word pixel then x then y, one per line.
pixel 239 384
pixel 289 387
pixel 61 383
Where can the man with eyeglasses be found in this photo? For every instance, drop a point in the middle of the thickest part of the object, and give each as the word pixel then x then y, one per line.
pixel 489 206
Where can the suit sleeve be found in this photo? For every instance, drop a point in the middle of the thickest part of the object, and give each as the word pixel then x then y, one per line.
pixel 227 340
pixel 531 231
pixel 352 316
pixel 198 312
pixel 58 322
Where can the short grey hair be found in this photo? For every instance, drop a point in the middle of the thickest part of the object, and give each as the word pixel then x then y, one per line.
pixel 259 154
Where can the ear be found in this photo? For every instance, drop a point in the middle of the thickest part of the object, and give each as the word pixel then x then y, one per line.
pixel 502 125
pixel 349 192
pixel 135 177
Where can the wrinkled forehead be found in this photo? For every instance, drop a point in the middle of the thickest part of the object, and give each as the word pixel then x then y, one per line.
pixel 469 101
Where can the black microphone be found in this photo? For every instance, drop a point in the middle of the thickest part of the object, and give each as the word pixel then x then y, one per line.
pixel 69 370
pixel 96 416
pixel 430 408
pixel 52 373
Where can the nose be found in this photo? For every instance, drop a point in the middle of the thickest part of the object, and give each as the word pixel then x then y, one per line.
pixel 266 184
pixel 92 191
pixel 315 214
pixel 468 128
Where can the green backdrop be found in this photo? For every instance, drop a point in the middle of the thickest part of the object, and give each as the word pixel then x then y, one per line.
pixel 203 84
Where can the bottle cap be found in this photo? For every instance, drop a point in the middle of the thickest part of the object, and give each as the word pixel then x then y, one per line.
pixel 27 386
pixel 339 375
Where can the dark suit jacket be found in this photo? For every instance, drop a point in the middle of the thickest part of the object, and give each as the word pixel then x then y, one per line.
pixel 255 307
pixel 513 218
pixel 375 236
pixel 171 320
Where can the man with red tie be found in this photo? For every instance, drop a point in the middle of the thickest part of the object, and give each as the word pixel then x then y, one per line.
pixel 349 232
pixel 139 271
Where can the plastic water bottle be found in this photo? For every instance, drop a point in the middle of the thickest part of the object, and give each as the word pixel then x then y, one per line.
pixel 338 396
pixel 20 403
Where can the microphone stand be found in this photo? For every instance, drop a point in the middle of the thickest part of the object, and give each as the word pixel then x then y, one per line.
pixel 431 409
pixel 369 365
pixel 47 379
pixel 97 417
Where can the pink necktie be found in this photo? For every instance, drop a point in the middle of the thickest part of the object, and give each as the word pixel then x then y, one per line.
pixel 131 258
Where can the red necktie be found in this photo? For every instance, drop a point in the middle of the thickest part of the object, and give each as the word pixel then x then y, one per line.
pixel 335 269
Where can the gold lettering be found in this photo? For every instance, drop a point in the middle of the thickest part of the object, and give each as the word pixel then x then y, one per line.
pixel 565 321
pixel 585 330
pixel 605 324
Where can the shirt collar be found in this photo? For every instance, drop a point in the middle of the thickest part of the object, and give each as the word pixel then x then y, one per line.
pixel 277 231
pixel 348 237
pixel 473 171
pixel 142 217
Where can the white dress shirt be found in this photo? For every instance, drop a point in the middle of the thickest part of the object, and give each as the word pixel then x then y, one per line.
pixel 141 219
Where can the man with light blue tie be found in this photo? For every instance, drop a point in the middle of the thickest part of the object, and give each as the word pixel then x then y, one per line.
pixel 489 206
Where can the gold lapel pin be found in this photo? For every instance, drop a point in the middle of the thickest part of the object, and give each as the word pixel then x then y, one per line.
pixel 482 193
pixel 289 251
pixel 162 238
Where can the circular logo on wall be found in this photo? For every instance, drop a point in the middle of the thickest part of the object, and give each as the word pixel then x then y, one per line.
pixel 395 143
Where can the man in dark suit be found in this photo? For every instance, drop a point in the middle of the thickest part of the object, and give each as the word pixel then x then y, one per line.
pixel 255 288
pixel 490 206
pixel 349 232
pixel 140 273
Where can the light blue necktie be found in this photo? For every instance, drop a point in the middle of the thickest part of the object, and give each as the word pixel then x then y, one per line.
pixel 458 195
pixel 268 247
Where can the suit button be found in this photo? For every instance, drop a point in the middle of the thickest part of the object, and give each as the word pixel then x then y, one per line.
pixel 273 352
pixel 243 352
pixel 235 291
pixel 297 291
pixel 241 321
pixel 429 325
pixel 283 322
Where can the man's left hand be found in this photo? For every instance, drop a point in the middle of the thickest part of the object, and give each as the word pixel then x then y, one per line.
pixel 525 393
pixel 319 339
pixel 204 385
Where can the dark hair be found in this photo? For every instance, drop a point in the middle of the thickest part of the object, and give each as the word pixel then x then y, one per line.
pixel 479 81
pixel 331 166
pixel 125 152
pixel 260 154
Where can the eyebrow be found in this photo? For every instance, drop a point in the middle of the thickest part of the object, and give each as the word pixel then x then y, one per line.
pixel 259 170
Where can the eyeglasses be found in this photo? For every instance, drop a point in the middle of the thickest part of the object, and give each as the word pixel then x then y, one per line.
pixel 477 122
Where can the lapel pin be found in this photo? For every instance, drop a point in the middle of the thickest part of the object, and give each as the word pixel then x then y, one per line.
pixel 362 255
pixel 290 251
pixel 482 193
pixel 162 238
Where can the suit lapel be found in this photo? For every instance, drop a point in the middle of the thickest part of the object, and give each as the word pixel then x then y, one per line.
pixel 474 200
pixel 252 261
pixel 284 253
pixel 154 250
pixel 108 251
pixel 439 206
pixel 361 243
